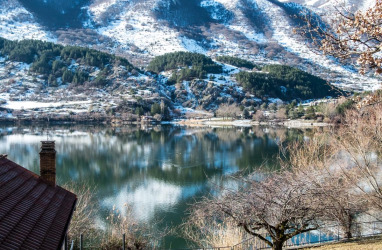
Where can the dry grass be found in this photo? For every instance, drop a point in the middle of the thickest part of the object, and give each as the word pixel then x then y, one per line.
pixel 84 221
pixel 123 222
pixel 374 243
pixel 206 232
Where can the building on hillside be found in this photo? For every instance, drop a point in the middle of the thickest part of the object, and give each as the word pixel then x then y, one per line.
pixel 34 212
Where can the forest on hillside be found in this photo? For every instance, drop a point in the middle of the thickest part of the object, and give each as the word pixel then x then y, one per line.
pixel 56 61
pixel 287 83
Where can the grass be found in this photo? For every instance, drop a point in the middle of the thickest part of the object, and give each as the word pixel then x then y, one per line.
pixel 372 243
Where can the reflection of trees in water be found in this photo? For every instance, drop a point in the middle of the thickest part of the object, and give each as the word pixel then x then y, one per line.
pixel 123 159
pixel 111 157
pixel 168 153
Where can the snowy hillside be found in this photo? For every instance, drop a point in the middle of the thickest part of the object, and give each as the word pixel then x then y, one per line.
pixel 355 4
pixel 18 23
pixel 257 30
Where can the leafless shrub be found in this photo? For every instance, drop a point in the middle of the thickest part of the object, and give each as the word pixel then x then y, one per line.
pixel 281 114
pixel 83 220
pixel 228 111
pixel 259 116
pixel 123 222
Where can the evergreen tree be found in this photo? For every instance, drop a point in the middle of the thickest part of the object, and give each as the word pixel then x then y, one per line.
pixel 155 109
pixel 139 111
pixel 292 114
pixel 264 106
pixel 246 114
pixel 164 111
pixel 300 110
pixel 235 61
pixel 273 106
pixel 310 113
pixel 67 76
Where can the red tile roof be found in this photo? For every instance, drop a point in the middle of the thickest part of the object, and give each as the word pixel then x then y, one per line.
pixel 33 214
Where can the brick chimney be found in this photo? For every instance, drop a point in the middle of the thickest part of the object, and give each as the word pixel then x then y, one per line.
pixel 48 162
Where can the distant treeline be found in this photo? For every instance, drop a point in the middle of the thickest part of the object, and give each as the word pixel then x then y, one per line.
pixel 286 83
pixel 276 81
pixel 190 65
pixel 238 62
pixel 53 60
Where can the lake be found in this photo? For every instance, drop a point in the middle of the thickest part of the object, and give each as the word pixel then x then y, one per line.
pixel 159 171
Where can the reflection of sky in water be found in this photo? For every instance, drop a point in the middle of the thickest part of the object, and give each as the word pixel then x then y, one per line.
pixel 158 172
pixel 148 197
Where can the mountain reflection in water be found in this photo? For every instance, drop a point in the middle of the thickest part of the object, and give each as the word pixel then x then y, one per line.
pixel 159 171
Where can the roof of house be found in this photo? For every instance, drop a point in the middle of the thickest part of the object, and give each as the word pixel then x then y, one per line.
pixel 33 214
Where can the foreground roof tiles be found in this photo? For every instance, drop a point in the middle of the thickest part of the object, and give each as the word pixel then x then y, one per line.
pixel 33 214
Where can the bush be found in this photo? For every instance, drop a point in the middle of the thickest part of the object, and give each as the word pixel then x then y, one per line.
pixel 343 107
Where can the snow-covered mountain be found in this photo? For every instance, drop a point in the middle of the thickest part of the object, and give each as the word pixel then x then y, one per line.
pixel 257 30
pixel 354 4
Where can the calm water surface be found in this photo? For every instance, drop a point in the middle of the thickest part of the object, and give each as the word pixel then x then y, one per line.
pixel 159 171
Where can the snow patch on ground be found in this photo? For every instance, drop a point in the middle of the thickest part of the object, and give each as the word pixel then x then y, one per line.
pixel 99 8
pixel 19 105
pixel 191 45
pixel 329 4
pixel 228 4
pixel 14 28
pixel 141 29
pixel 249 33
pixel 282 30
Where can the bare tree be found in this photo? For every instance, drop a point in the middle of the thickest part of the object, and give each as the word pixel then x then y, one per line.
pixel 281 114
pixel 356 36
pixel 343 205
pixel 226 111
pixel 314 163
pixel 259 116
pixel 346 164
pixel 273 204
pixel 359 148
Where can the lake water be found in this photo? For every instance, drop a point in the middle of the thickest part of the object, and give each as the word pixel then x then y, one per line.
pixel 159 171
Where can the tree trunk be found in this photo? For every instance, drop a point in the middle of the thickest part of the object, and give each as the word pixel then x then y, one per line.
pixel 348 235
pixel 278 245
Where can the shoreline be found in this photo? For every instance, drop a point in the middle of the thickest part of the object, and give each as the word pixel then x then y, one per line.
pixel 213 122
pixel 299 123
